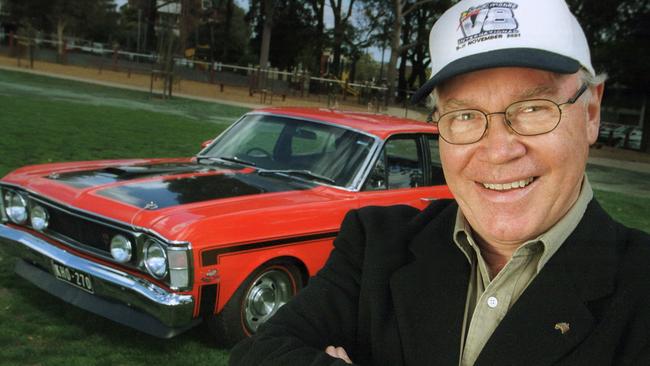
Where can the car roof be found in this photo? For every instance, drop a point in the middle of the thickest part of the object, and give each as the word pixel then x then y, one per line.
pixel 376 124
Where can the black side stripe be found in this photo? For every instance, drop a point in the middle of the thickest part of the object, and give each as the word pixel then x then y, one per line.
pixel 210 257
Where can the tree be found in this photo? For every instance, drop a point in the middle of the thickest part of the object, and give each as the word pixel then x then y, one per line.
pixel 65 16
pixel 397 12
pixel 341 20
pixel 268 9
pixel 318 7
pixel 293 32
pixel 617 32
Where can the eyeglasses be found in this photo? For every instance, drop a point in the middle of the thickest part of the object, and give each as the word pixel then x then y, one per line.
pixel 527 118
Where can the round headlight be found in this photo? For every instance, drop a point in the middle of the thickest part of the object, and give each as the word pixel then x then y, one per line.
pixel 155 259
pixel 16 207
pixel 121 248
pixel 39 217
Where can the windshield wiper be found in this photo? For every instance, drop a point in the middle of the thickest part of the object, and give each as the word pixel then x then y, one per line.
pixel 298 172
pixel 231 159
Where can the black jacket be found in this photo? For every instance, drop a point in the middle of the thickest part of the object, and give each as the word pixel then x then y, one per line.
pixel 393 293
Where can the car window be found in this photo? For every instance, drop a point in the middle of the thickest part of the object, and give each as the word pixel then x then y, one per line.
pixel 280 143
pixel 398 166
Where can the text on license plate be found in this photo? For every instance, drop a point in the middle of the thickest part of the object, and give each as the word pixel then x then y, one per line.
pixel 73 277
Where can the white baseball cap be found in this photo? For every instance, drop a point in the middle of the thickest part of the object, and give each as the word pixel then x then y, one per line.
pixel 479 34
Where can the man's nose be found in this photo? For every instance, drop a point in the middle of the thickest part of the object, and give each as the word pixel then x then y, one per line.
pixel 501 143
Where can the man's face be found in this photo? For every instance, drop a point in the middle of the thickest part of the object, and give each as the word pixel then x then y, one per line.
pixel 555 161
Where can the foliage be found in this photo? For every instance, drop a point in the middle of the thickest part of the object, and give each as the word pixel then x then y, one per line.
pixel 91 19
pixel 367 68
pixel 294 30
pixel 231 36
pixel 618 34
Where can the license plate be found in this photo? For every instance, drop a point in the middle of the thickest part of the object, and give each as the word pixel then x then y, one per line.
pixel 73 277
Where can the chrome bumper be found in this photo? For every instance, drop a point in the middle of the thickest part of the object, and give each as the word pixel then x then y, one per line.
pixel 118 295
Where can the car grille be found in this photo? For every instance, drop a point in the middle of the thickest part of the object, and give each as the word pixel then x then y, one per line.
pixel 84 232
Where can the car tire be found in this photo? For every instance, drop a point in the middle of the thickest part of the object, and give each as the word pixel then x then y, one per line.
pixel 255 301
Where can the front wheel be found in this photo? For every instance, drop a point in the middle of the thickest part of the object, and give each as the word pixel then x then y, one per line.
pixel 257 299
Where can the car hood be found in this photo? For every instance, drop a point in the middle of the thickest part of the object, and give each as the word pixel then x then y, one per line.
pixel 168 196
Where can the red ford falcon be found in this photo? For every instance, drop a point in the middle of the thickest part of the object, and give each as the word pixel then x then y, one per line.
pixel 227 236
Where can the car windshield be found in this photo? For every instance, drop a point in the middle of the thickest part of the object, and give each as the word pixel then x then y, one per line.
pixel 303 149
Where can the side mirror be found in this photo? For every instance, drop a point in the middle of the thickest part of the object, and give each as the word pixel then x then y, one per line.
pixel 204 144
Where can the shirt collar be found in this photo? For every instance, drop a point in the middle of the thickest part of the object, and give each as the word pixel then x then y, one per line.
pixel 549 241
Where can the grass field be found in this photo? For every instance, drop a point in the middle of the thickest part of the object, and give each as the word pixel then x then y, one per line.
pixel 44 119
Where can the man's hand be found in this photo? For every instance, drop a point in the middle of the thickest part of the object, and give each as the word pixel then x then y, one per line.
pixel 338 352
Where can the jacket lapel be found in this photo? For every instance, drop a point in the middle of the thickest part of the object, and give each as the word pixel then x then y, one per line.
pixel 552 316
pixel 429 295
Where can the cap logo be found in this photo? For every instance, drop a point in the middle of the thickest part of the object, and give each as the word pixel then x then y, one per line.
pixel 493 20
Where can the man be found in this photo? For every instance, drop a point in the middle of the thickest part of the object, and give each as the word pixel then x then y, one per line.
pixel 525 267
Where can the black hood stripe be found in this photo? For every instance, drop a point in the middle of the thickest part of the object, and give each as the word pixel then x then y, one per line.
pixel 121 173
pixel 159 194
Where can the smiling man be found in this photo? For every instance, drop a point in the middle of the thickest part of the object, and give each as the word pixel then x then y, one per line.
pixel 524 267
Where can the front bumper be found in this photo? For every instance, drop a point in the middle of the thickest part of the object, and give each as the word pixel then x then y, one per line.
pixel 118 295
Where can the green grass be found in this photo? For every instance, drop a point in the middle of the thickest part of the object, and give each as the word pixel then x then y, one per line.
pixel 45 119
pixel 50 120
pixel 632 211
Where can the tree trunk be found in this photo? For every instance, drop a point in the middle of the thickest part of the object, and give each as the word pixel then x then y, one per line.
pixel 340 22
pixel 645 125
pixel 266 33
pixel 394 50
pixel 60 27
pixel 401 83
pixel 319 9
pixel 338 36
pixel 228 26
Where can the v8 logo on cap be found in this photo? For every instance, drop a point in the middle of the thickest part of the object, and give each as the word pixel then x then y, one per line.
pixel 488 18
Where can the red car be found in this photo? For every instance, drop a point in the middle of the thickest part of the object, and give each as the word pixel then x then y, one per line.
pixel 227 236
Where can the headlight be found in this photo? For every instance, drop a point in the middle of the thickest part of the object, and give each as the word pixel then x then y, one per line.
pixel 15 207
pixel 121 248
pixel 155 259
pixel 39 217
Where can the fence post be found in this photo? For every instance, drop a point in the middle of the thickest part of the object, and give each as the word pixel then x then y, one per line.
pixel 12 50
pixel 64 58
pixel 31 53
pixel 115 54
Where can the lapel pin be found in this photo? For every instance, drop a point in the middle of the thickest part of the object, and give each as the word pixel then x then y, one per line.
pixel 563 327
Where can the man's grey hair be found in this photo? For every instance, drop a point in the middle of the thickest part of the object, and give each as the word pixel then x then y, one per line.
pixel 585 77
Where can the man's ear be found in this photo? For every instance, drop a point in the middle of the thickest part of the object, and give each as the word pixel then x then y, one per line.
pixel 593 112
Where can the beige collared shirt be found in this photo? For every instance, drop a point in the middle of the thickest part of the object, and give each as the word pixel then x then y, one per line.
pixel 489 299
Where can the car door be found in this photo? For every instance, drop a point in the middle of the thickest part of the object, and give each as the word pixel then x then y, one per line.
pixel 406 171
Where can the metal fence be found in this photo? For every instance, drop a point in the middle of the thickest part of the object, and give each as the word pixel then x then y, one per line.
pixel 267 83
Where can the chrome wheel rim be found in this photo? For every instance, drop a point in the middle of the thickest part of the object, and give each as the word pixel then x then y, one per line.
pixel 267 294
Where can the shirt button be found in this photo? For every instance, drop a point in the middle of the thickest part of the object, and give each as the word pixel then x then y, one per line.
pixel 492 302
